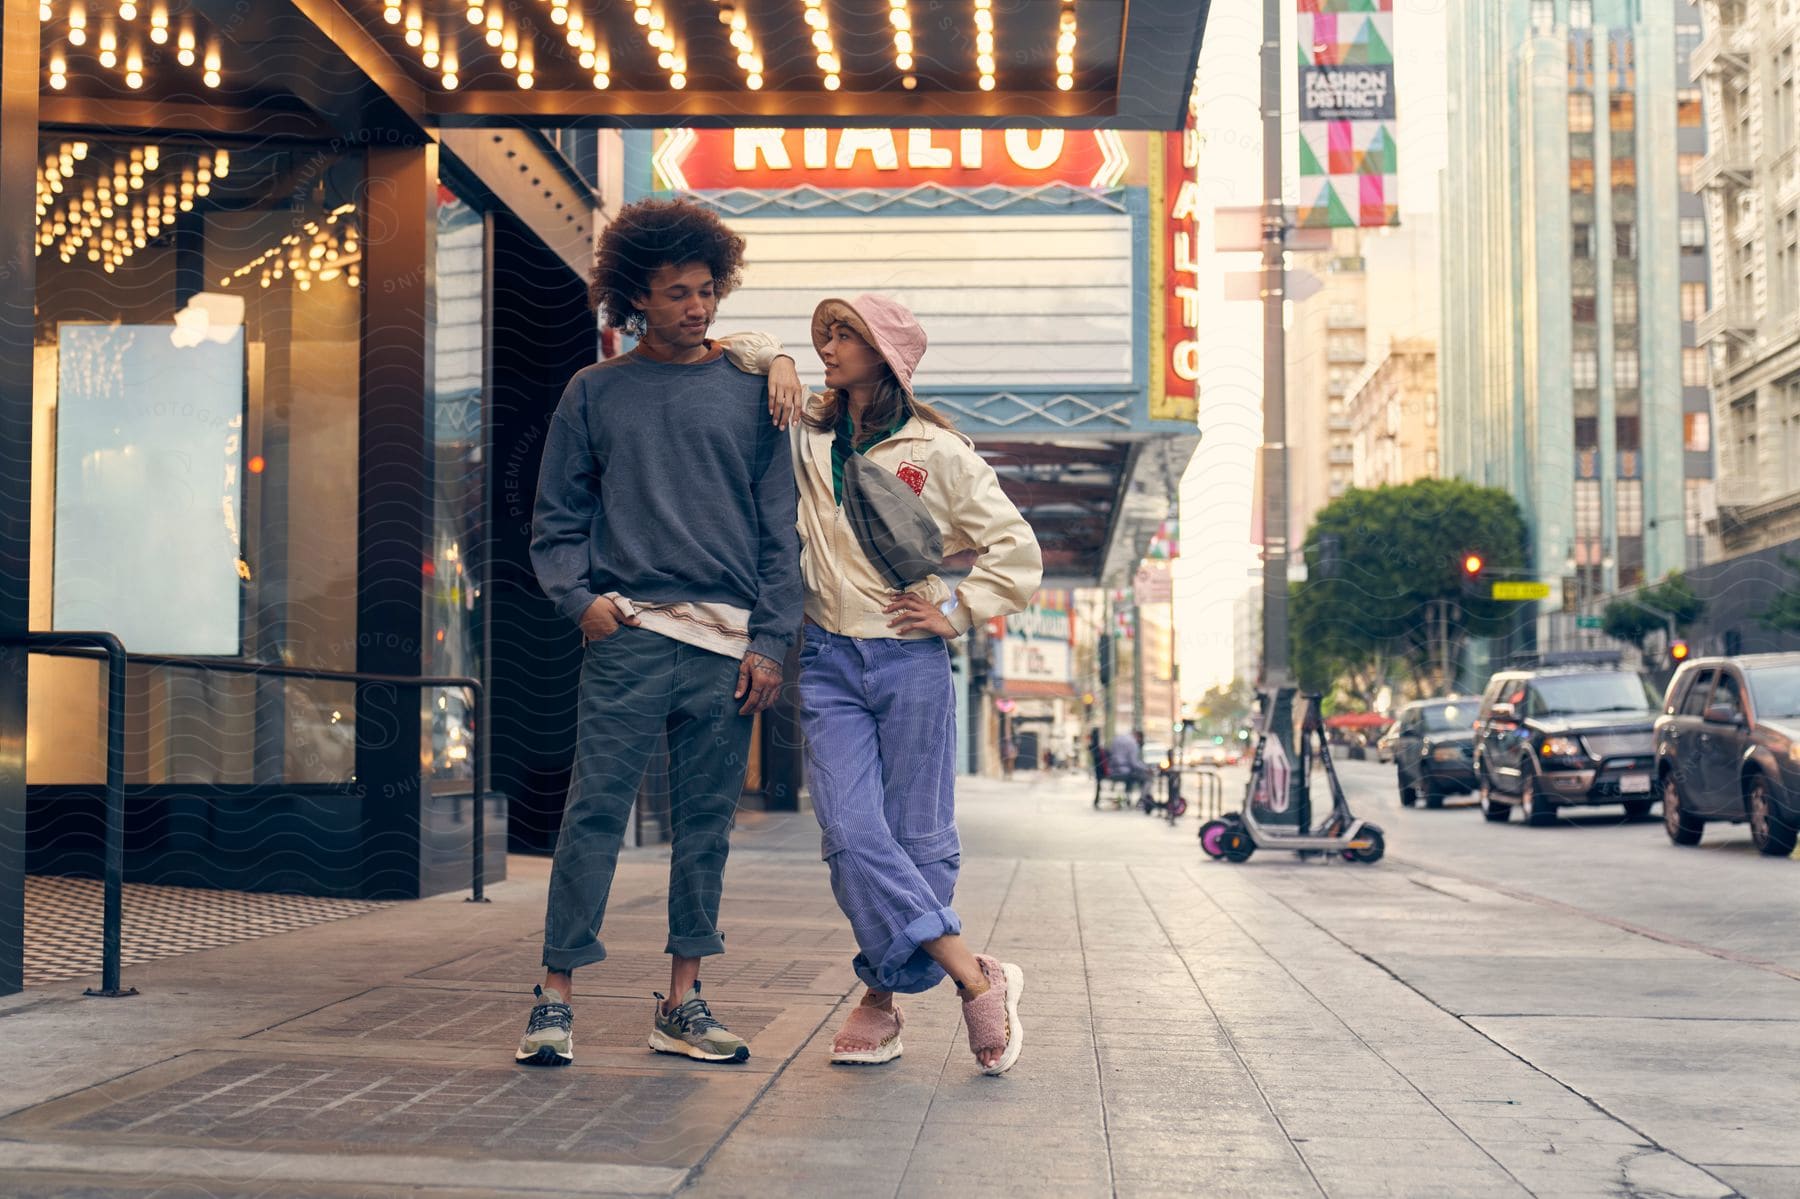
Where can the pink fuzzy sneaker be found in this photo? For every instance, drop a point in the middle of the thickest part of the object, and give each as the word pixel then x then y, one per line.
pixel 993 1016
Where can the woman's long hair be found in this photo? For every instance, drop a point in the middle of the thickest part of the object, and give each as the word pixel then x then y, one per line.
pixel 886 408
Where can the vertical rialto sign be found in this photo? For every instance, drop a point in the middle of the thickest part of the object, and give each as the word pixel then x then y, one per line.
pixel 1175 271
pixel 1349 169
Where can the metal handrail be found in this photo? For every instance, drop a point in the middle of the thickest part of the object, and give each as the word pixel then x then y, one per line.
pixel 72 644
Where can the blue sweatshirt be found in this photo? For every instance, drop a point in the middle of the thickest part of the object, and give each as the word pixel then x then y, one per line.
pixel 668 483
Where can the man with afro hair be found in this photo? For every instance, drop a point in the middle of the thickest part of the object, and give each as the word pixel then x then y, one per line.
pixel 664 530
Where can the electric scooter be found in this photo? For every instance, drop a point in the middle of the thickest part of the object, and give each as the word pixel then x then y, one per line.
pixel 1236 835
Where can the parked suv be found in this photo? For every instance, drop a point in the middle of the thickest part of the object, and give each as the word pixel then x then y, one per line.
pixel 1560 737
pixel 1434 749
pixel 1728 748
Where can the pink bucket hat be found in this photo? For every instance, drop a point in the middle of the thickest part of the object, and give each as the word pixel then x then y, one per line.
pixel 887 325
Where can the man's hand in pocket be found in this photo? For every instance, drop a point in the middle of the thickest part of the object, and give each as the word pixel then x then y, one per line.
pixel 602 619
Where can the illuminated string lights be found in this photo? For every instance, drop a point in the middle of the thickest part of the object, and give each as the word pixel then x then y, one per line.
pixel 120 40
pixel 749 56
pixel 316 251
pixel 108 215
pixel 819 21
pixel 984 43
pixel 1065 48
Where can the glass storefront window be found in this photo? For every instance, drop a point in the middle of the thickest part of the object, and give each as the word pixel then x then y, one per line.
pixel 194 464
pixel 456 567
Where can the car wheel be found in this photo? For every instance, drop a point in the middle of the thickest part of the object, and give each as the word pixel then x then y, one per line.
pixel 1433 797
pixel 1683 828
pixel 1769 829
pixel 1492 809
pixel 1539 810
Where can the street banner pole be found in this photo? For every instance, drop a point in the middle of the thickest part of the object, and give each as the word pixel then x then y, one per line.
pixel 1275 673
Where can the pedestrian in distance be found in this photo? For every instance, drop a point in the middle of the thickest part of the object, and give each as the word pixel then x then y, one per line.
pixel 1009 757
pixel 876 698
pixel 664 530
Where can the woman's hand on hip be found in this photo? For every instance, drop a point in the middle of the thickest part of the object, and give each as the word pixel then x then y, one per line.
pixel 786 396
pixel 914 614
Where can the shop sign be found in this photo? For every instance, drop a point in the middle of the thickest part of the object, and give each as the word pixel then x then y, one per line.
pixel 1037 645
pixel 1175 315
pixel 779 159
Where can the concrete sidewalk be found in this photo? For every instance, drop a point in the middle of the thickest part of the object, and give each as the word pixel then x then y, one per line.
pixel 1191 1031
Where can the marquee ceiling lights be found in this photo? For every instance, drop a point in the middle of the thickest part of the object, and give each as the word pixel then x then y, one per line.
pixel 900 17
pixel 819 21
pixel 1065 47
pixel 123 38
pixel 670 56
pixel 984 43
pixel 749 58
pixel 321 250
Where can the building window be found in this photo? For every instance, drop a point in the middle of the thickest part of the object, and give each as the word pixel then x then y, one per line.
pixel 1587 433
pixel 1624 238
pixel 1621 112
pixel 1543 15
pixel 1630 507
pixel 1627 435
pixel 1581 112
pixel 1625 368
pixel 1581 176
pixel 1581 14
pixel 1687 40
pixel 1687 165
pixel 1693 235
pixel 1581 241
pixel 1624 173
pixel 1696 432
pixel 1693 301
pixel 1693 366
pixel 1583 304
pixel 1687 108
pixel 1587 522
pixel 1584 368
pixel 1625 302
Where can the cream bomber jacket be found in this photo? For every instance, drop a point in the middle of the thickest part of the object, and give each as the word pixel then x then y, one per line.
pixel 845 594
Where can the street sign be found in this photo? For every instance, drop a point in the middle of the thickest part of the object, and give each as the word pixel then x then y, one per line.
pixel 1521 591
pixel 1587 622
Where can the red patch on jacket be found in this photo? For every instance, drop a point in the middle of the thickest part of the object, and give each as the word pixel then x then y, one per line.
pixel 913 476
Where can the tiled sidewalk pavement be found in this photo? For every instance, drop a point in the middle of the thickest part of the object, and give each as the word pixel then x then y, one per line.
pixel 1190 1032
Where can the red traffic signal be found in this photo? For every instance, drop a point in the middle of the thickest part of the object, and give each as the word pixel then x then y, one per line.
pixel 1472 564
pixel 1678 650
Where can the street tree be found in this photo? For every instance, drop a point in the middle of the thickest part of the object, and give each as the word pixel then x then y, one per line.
pixel 1632 618
pixel 1385 586
pixel 1783 613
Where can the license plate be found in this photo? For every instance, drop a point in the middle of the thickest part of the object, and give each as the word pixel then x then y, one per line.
pixel 1634 784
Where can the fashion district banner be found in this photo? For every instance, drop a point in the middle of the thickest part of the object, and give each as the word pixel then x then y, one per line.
pixel 1348 158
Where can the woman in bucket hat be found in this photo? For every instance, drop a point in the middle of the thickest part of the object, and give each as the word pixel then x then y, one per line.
pixel 876 697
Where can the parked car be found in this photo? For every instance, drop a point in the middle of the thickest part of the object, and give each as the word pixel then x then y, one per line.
pixel 1433 749
pixel 1384 746
pixel 1560 737
pixel 1728 748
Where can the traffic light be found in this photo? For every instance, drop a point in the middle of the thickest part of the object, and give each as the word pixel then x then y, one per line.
pixel 1472 565
pixel 1678 651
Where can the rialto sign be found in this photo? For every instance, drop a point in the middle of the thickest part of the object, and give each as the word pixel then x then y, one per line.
pixel 777 159
pixel 1175 322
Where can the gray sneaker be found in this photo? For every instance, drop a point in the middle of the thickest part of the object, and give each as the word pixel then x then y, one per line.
pixel 548 1040
pixel 691 1031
